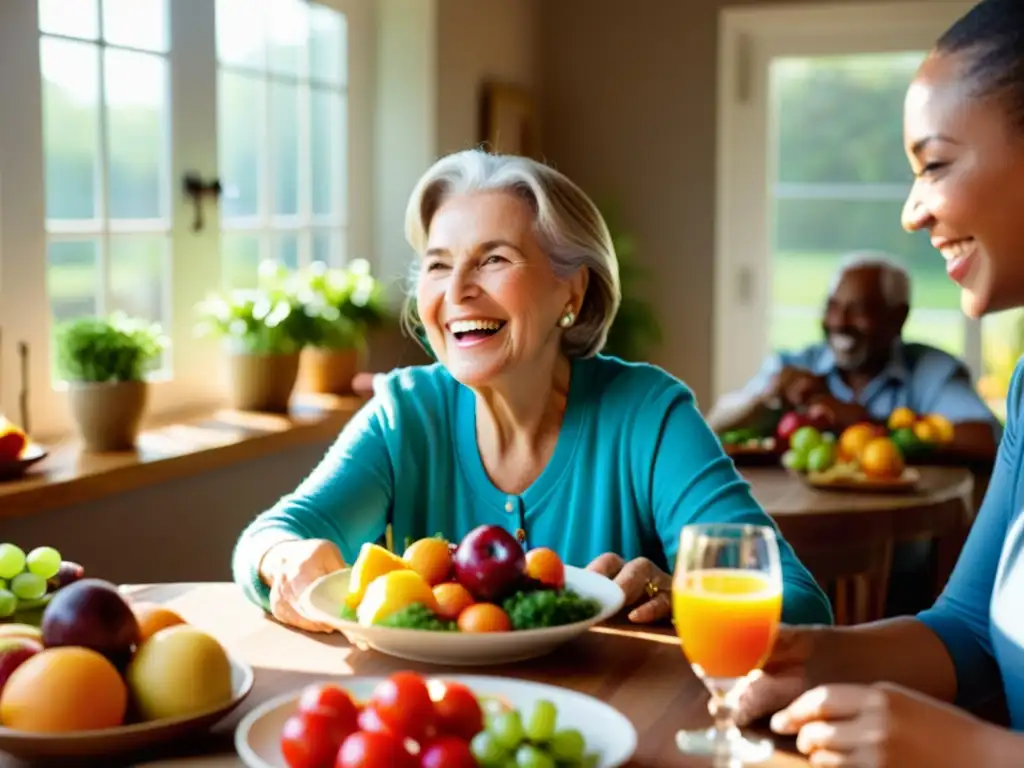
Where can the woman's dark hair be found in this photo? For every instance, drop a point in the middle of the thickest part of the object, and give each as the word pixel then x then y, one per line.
pixel 991 37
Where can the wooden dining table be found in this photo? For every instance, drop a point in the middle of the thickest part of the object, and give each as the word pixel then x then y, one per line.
pixel 638 670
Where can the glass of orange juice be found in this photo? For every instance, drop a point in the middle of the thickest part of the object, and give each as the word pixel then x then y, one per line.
pixel 727 606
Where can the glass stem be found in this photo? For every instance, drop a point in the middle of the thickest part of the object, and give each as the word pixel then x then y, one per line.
pixel 725 718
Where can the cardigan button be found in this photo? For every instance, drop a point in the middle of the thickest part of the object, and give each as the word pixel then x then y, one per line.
pixel 520 535
pixel 509 506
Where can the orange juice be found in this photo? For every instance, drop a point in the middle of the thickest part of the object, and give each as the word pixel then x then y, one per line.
pixel 726 619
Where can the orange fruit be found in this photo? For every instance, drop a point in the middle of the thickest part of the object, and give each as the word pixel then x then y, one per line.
pixel 943 427
pixel 545 566
pixel 853 440
pixel 926 432
pixel 373 561
pixel 881 458
pixel 61 690
pixel 902 418
pixel 430 558
pixel 392 592
pixel 152 618
pixel 452 600
pixel 484 617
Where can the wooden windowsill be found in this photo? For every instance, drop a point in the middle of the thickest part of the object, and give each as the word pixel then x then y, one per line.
pixel 170 451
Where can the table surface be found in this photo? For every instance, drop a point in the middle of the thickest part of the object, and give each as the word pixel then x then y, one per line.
pixel 639 671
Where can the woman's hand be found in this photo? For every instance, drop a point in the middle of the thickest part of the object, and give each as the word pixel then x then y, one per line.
pixel 290 567
pixel 780 680
pixel 647 587
pixel 857 726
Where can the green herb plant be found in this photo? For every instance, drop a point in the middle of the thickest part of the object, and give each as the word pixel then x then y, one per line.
pixel 341 304
pixel 108 349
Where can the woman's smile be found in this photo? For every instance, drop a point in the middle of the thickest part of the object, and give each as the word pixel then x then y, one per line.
pixel 470 333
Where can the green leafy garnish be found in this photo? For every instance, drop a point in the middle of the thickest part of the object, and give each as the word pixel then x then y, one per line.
pixel 417 616
pixel 548 608
pixel 347 613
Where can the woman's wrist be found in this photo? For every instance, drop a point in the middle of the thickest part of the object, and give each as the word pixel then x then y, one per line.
pixel 271 560
pixel 996 747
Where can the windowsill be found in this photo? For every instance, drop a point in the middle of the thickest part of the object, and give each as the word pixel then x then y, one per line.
pixel 176 449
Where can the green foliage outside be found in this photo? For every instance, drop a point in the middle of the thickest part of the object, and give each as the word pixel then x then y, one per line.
pixel 114 349
pixel 342 304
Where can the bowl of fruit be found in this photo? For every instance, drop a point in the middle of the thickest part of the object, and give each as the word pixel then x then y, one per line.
pixel 485 601
pixel 17 452
pixel 100 676
pixel 456 721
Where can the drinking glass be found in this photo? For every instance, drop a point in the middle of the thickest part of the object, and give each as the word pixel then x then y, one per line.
pixel 727 606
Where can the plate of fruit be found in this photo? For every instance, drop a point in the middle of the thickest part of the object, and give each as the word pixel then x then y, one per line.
pixel 864 458
pixel 485 601
pixel 17 452
pixel 452 721
pixel 100 676
pixel 749 446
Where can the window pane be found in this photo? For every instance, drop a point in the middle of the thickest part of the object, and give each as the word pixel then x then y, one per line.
pixel 240 142
pixel 70 74
pixel 327 138
pixel 287 37
pixel 139 277
pixel 329 247
pixel 241 36
pixel 136 24
pixel 328 45
pixel 138 126
pixel 1002 345
pixel 73 279
pixel 73 18
pixel 284 143
pixel 240 253
pixel 286 249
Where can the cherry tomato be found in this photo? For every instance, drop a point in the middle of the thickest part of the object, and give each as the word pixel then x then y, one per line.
pixel 458 712
pixel 403 705
pixel 312 739
pixel 448 752
pixel 370 722
pixel 373 750
pixel 330 698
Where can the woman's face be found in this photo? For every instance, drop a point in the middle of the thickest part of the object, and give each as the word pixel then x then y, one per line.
pixel 967 154
pixel 487 295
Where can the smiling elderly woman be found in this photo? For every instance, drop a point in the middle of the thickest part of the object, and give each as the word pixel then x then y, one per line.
pixel 521 423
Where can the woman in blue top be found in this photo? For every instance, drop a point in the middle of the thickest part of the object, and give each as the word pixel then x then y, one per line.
pixel 964 134
pixel 521 423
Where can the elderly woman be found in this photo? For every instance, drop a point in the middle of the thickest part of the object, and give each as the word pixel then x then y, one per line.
pixel 521 423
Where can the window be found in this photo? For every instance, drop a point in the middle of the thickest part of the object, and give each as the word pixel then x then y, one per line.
pixel 117 102
pixel 812 167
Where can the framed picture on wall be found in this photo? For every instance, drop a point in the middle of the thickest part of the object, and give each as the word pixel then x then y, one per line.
pixel 508 120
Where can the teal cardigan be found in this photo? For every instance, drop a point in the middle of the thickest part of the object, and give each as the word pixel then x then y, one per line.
pixel 634 462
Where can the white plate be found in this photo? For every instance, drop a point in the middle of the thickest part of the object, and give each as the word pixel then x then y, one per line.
pixel 126 739
pixel 606 731
pixel 323 599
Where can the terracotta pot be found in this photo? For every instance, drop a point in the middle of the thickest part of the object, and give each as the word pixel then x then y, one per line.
pixel 329 371
pixel 262 382
pixel 108 414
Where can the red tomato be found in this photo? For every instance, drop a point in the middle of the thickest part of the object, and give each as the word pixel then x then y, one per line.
pixel 370 722
pixel 458 712
pixel 373 750
pixel 448 752
pixel 403 704
pixel 312 739
pixel 330 698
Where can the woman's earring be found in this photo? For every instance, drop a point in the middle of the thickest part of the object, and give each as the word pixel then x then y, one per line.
pixel 568 318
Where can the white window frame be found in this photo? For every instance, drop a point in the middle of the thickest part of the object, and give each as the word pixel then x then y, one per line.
pixel 196 267
pixel 749 38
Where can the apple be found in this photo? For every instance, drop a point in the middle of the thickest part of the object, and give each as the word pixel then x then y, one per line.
pixel 490 563
pixel 91 613
pixel 790 422
pixel 13 652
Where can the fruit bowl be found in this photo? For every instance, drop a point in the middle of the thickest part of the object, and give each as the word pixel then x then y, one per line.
pixel 12 470
pixel 607 734
pixel 848 477
pixel 125 739
pixel 323 601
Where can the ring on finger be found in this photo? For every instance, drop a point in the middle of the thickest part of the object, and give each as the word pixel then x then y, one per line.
pixel 652 589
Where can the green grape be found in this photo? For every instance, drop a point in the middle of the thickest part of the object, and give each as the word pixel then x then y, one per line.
pixel 487 750
pixel 567 745
pixel 507 729
pixel 8 604
pixel 541 723
pixel 44 561
pixel 12 561
pixel 28 586
pixel 529 756
pixel 3 583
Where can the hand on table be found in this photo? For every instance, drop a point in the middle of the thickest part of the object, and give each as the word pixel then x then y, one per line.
pixel 638 579
pixel 796 387
pixel 782 678
pixel 859 726
pixel 294 566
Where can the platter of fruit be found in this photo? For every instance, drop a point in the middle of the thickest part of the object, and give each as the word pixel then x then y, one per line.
pixel 100 676
pixel 485 601
pixel 918 436
pixel 749 446
pixel 455 721
pixel 863 458
pixel 17 451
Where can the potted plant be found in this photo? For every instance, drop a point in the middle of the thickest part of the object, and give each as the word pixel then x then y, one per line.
pixel 342 306
pixel 104 362
pixel 264 331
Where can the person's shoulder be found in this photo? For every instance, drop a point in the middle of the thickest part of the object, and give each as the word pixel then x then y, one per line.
pixel 1015 394
pixel 622 386
pixel 422 389
pixel 926 360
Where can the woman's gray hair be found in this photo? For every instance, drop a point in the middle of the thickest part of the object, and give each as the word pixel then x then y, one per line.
pixel 571 230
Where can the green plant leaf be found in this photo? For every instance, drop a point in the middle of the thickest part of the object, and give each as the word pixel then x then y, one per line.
pixel 116 348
